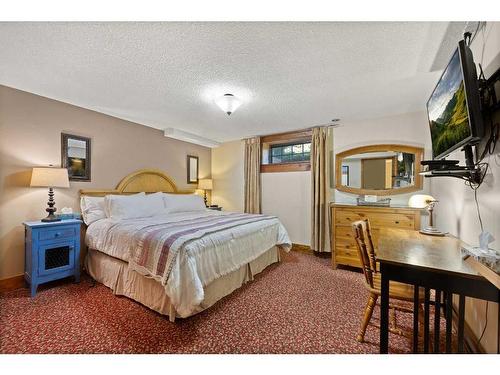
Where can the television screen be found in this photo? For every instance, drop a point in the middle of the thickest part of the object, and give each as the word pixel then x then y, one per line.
pixel 447 110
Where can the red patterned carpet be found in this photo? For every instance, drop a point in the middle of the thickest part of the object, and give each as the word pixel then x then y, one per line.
pixel 298 306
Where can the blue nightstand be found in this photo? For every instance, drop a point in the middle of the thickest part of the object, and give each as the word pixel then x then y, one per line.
pixel 52 251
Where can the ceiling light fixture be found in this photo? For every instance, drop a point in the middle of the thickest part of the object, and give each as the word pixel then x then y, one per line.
pixel 228 103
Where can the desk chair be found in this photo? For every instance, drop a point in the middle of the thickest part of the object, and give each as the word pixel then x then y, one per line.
pixel 398 291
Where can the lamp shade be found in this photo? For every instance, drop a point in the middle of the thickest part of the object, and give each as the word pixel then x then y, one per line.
pixel 228 103
pixel 420 200
pixel 205 184
pixel 49 177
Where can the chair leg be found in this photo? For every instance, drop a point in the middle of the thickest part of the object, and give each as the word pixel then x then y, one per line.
pixel 370 305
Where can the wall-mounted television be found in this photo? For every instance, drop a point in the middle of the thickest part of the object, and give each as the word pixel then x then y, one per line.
pixel 454 108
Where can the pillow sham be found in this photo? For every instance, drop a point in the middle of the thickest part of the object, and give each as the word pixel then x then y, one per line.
pixel 183 202
pixel 134 206
pixel 92 209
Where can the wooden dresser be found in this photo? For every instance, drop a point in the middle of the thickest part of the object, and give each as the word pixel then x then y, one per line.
pixel 342 215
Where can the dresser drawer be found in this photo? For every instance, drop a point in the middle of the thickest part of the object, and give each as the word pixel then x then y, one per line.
pixel 350 251
pixel 344 246
pixel 57 234
pixel 377 220
pixel 348 261
pixel 343 234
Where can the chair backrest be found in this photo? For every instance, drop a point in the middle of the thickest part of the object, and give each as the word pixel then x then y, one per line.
pixel 366 251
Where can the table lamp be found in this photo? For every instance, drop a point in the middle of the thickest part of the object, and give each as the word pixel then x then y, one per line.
pixel 51 178
pixel 428 202
pixel 205 184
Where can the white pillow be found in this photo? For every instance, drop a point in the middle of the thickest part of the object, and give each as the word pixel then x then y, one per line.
pixel 183 202
pixel 92 209
pixel 154 204
pixel 134 206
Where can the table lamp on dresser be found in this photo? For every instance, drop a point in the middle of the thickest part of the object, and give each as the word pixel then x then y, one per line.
pixel 51 178
pixel 205 184
pixel 428 202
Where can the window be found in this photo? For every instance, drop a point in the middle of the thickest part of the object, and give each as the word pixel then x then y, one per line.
pixel 293 152
pixel 286 152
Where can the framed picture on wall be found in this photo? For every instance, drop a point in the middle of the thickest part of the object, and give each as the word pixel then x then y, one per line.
pixel 345 175
pixel 75 156
pixel 192 169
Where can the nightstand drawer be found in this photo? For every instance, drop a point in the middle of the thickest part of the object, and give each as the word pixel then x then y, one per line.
pixel 56 257
pixel 57 234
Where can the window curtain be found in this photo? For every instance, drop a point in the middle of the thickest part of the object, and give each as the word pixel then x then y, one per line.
pixel 252 176
pixel 320 192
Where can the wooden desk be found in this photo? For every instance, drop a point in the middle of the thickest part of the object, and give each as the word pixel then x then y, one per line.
pixel 432 263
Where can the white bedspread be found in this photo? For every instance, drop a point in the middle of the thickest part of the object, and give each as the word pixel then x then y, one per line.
pixel 200 261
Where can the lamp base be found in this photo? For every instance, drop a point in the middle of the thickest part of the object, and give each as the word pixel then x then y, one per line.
pixel 51 209
pixel 431 231
pixel 50 218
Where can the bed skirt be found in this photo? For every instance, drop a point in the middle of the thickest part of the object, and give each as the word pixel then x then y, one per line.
pixel 115 274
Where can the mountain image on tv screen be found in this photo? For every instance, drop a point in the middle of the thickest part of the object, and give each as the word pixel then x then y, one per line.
pixel 447 109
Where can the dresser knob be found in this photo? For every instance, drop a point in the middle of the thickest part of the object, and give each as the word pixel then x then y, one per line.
pixel 397 222
pixel 57 234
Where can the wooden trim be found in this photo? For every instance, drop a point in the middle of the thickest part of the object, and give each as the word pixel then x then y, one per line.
pixel 306 249
pixel 305 134
pixel 12 283
pixel 332 235
pixel 302 248
pixel 285 167
pixel 419 154
pixel 285 138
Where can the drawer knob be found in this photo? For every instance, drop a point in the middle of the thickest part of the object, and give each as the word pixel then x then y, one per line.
pixel 57 234
pixel 397 222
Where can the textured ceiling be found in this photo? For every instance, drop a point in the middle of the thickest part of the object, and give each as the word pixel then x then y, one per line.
pixel 288 75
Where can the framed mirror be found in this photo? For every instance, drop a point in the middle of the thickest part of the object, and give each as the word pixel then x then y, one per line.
pixel 379 170
pixel 75 156
pixel 192 169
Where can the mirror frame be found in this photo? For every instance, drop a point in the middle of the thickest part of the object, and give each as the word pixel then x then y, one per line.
pixel 64 156
pixel 192 159
pixel 417 151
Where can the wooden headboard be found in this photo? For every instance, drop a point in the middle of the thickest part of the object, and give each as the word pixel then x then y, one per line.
pixel 147 180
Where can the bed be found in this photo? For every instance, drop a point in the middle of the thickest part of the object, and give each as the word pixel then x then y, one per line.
pixel 177 263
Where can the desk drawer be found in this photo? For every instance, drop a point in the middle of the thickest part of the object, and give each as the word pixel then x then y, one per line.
pixel 377 220
pixel 57 234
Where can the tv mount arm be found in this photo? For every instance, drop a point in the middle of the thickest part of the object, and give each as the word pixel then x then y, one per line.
pixel 471 172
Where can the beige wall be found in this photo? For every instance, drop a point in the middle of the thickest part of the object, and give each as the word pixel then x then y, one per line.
pixel 456 210
pixel 228 176
pixel 288 196
pixel 30 131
